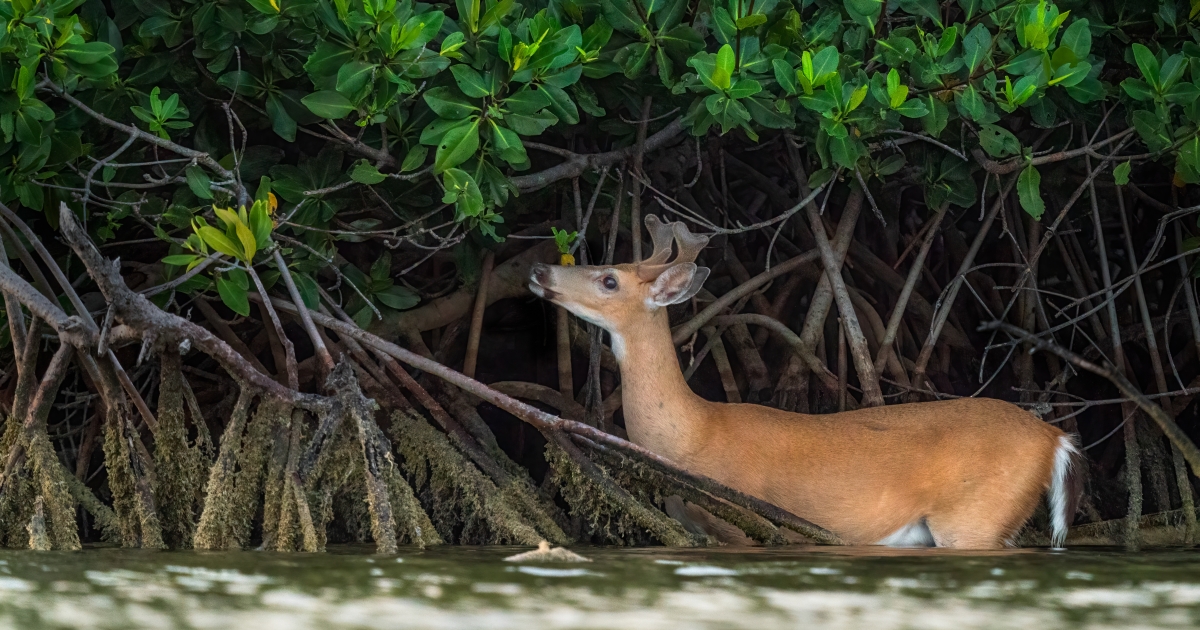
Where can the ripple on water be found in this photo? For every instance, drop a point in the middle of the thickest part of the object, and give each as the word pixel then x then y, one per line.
pixel 626 589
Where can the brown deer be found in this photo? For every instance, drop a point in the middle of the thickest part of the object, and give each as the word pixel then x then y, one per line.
pixel 963 473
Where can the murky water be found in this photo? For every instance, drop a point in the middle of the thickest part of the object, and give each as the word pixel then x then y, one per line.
pixel 472 588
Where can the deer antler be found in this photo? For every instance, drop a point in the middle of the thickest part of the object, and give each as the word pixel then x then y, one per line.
pixel 689 244
pixel 663 234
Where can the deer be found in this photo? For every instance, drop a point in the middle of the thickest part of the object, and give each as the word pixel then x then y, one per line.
pixel 963 473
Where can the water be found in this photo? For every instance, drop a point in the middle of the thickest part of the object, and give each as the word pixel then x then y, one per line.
pixel 472 588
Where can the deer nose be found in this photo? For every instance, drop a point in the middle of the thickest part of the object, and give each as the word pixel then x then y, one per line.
pixel 539 273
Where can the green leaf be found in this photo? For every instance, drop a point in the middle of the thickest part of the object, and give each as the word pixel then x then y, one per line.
pixel 469 81
pixel 180 260
pixel 912 108
pixel 1030 193
pixel 1086 91
pixel 527 100
pixel 750 21
pixel 1151 130
pixel 825 65
pixel 561 104
pixel 87 52
pixel 744 88
pixel 352 77
pixel 281 121
pixel 446 104
pixel 414 158
pixel 865 12
pixel 767 114
pixel 622 15
pixel 462 190
pixel 897 93
pixel 456 146
pixel 976 45
pixel 1172 70
pixel 1078 37
pixel 198 181
pixel 998 141
pixel 398 297
pixel 1121 173
pixel 507 144
pixel 364 172
pixel 1147 63
pixel 310 293
pixel 531 124
pixel 785 75
pixel 723 71
pixel 327 58
pixel 238 82
pixel 233 296
pixel 328 104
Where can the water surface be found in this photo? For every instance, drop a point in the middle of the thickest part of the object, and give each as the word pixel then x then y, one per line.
pixel 473 588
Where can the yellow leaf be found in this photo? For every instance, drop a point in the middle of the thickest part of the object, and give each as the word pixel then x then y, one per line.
pixel 567 260
pixel 274 5
pixel 272 203
pixel 1178 181
pixel 218 241
pixel 248 243
pixel 228 217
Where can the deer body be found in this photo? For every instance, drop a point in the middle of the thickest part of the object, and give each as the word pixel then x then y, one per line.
pixel 963 473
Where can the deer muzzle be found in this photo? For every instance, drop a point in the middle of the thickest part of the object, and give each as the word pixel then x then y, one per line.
pixel 540 278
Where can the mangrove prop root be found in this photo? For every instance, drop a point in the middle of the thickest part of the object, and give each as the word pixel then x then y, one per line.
pixel 252 463
pixel 214 531
pixel 276 482
pixel 462 500
pixel 174 460
pixel 611 512
pixel 377 454
pixel 39 540
pixel 753 525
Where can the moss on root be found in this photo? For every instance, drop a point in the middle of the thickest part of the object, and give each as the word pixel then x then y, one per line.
pixel 466 506
pixel 215 530
pixel 39 539
pixel 178 466
pixel 252 459
pixel 55 495
pixel 120 479
pixel 609 517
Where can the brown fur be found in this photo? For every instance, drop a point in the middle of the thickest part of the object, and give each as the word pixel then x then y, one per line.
pixel 972 468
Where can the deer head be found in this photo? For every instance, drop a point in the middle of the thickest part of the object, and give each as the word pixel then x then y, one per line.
pixel 620 297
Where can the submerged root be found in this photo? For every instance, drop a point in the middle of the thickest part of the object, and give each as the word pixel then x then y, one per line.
pixel 215 530
pixel 252 464
pixel 104 518
pixel 752 525
pixel 612 514
pixel 55 497
pixel 120 478
pixel 467 507
pixel 39 540
pixel 392 508
pixel 177 465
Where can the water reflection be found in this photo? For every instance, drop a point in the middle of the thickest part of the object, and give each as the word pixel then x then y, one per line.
pixel 627 589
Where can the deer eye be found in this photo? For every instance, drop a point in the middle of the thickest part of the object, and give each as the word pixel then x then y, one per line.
pixel 610 283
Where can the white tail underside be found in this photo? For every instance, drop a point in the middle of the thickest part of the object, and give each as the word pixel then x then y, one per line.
pixel 915 534
pixel 1057 496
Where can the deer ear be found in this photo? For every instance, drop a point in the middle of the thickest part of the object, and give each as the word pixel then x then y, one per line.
pixel 677 284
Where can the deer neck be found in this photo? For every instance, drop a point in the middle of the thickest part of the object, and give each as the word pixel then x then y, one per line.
pixel 661 411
